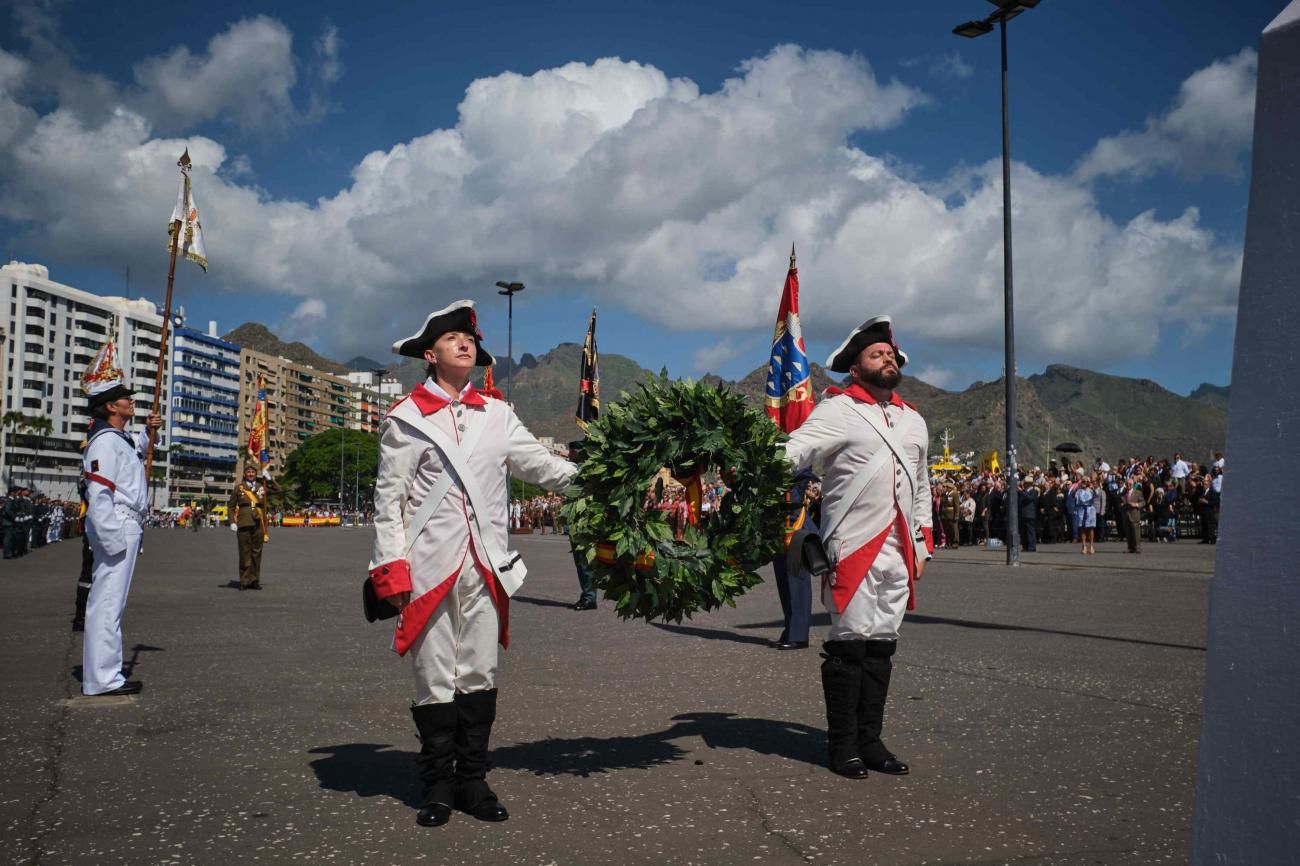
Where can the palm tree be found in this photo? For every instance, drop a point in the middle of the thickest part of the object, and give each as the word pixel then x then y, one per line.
pixel 11 421
pixel 39 426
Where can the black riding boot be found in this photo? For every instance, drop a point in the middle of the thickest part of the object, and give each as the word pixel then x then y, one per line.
pixel 437 726
pixel 877 667
pixel 842 685
pixel 477 711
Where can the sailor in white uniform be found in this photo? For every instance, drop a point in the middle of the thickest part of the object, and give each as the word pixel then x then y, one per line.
pixel 116 506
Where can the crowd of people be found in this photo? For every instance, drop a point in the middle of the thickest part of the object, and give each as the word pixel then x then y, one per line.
pixel 537 514
pixel 1159 500
pixel 28 521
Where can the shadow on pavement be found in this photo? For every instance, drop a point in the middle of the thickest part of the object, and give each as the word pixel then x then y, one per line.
pixel 368 770
pixel 541 602
pixel 583 756
pixel 713 633
pixel 922 619
pixel 128 666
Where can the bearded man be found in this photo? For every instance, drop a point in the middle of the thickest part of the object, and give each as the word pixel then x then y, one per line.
pixel 877 529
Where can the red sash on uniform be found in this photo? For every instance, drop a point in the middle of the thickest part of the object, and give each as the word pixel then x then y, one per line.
pixel 416 614
pixel 853 569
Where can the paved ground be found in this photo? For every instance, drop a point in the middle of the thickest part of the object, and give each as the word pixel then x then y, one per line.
pixel 1050 715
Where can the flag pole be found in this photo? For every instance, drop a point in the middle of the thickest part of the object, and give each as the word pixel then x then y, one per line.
pixel 184 163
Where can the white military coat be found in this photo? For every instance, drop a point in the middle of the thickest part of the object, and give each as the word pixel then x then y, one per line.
pixel 409 467
pixel 836 435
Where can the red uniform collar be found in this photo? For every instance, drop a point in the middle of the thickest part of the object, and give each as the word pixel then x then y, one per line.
pixel 857 392
pixel 428 402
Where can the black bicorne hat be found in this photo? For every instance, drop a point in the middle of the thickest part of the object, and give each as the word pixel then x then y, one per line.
pixel 459 316
pixel 876 330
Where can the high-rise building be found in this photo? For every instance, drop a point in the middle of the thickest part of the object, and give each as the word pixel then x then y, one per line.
pixel 54 332
pixel 204 416
pixel 373 394
pixel 301 401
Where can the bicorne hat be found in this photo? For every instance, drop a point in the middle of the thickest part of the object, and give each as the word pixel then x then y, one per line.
pixel 458 316
pixel 877 330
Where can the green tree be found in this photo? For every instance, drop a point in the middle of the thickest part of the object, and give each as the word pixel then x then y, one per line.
pixel 11 421
pixel 34 426
pixel 312 472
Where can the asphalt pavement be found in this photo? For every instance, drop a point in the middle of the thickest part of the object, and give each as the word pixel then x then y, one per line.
pixel 1050 714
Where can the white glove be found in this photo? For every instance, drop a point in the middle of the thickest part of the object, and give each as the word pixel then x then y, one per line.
pixel 234 527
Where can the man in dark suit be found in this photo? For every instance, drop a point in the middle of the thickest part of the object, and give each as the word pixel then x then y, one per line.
pixel 997 512
pixel 793 581
pixel 1028 502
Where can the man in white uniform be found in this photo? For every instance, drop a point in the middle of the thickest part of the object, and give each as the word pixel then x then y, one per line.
pixel 876 524
pixel 440 553
pixel 116 505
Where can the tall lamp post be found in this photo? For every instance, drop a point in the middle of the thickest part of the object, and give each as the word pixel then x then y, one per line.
pixel 1006 10
pixel 509 290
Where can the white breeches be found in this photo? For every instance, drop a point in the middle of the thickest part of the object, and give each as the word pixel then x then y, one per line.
pixel 101 656
pixel 876 610
pixel 457 651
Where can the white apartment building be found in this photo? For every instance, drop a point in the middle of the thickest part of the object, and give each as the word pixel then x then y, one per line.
pixel 53 332
pixel 373 394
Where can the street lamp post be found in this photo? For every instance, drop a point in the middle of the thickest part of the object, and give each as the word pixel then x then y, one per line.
pixel 1007 9
pixel 509 290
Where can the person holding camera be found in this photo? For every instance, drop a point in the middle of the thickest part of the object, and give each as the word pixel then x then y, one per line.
pixel 877 532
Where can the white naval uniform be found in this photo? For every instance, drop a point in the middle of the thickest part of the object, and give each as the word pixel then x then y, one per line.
pixel 116 503
pixel 458 611
pixel 889 525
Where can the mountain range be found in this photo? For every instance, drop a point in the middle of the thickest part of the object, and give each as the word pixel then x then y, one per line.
pixel 1106 416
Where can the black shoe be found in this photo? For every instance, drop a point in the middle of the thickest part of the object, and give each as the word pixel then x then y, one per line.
pixel 79 625
pixel 433 816
pixel 851 769
pixel 130 687
pixel 789 644
pixel 489 810
pixel 255 586
pixel 584 605
pixel 891 766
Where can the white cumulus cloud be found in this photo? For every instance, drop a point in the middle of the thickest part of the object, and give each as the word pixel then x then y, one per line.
pixel 617 180
pixel 1205 131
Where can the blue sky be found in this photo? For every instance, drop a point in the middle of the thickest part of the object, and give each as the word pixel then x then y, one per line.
pixel 359 165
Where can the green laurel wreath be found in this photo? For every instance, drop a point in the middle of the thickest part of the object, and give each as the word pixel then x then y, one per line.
pixel 682 426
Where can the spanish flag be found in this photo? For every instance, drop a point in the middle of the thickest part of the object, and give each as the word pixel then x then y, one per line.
pixel 257 435
pixel 489 388
pixel 589 379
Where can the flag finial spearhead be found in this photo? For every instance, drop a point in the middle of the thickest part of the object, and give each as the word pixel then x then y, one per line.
pixel 184 162
pixel 792 255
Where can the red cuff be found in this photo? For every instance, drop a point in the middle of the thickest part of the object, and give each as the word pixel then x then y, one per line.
pixel 928 534
pixel 391 578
